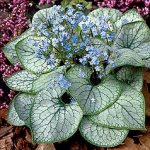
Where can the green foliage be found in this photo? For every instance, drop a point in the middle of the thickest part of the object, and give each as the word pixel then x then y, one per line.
pixel 59 95
pixel 86 4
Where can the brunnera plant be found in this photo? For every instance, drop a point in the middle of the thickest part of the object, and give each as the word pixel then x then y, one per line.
pixel 80 72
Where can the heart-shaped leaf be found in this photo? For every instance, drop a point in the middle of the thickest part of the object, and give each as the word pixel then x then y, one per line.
pixel 92 99
pixel 128 17
pixel 132 76
pixel 23 103
pixel 13 117
pixel 132 35
pixel 21 81
pixel 101 136
pixel 43 16
pixel 9 49
pixel 48 79
pixel 127 58
pixel 28 82
pixel 128 112
pixel 27 50
pixel 51 119
pixel 113 14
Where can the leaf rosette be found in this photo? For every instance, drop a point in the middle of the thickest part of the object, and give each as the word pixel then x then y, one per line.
pixel 80 72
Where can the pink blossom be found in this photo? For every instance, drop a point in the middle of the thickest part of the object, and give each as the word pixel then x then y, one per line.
pixel 143 6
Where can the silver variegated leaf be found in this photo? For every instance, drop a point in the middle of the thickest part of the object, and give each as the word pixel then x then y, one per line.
pixel 45 15
pixel 132 76
pixel 21 81
pixel 128 112
pixel 28 82
pixel 128 17
pixel 101 136
pixel 147 63
pixel 48 79
pixel 51 119
pixel 125 57
pixel 92 99
pixel 111 14
pixel 9 49
pixel 23 103
pixel 26 51
pixel 132 35
pixel 13 117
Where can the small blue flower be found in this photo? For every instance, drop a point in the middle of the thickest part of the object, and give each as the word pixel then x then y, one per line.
pixel 67 46
pixel 74 39
pixel 51 60
pixel 111 62
pixel 81 73
pixel 111 36
pixel 70 55
pixel 84 27
pixel 94 31
pixel 83 60
pixel 94 61
pixel 76 50
pixel 63 82
pixel 100 76
pixel 73 101
pixel 103 35
pixel 55 41
pixel 97 68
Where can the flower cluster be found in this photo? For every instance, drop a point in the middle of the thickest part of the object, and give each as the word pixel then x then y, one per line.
pixel 143 6
pixel 42 2
pixel 6 70
pixel 74 37
pixel 13 22
pixel 64 55
pixel 16 22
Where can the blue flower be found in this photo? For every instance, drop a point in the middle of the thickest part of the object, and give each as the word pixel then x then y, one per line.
pixel 74 39
pixel 63 82
pixel 70 55
pixel 67 46
pixel 55 41
pixel 84 27
pixel 83 60
pixel 81 73
pixel 51 60
pixel 111 62
pixel 97 68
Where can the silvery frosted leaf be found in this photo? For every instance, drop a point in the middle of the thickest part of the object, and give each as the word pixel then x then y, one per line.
pixel 23 103
pixel 125 57
pixel 92 99
pixel 51 119
pixel 21 81
pixel 9 49
pixel 111 14
pixel 101 136
pixel 132 76
pixel 29 53
pixel 128 17
pixel 26 81
pixel 13 117
pixel 43 16
pixel 147 63
pixel 128 112
pixel 48 79
pixel 132 36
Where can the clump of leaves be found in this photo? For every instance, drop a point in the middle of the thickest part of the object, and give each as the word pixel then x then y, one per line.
pixel 80 71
